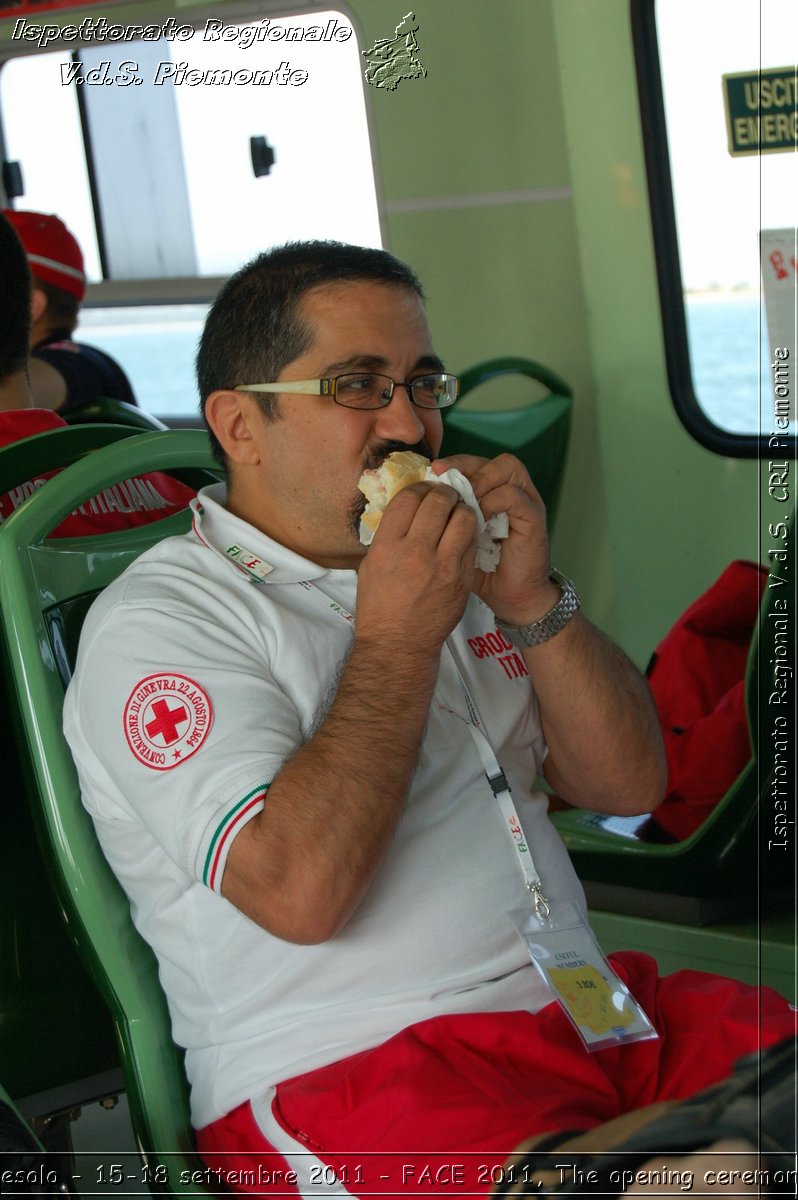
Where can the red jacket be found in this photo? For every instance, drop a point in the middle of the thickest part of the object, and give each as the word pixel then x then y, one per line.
pixel 697 677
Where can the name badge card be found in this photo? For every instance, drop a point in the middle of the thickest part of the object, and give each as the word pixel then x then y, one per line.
pixel 566 954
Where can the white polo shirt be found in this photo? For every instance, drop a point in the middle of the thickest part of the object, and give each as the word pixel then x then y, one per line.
pixel 201 670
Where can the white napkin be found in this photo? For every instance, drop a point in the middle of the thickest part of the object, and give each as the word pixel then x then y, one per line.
pixel 491 532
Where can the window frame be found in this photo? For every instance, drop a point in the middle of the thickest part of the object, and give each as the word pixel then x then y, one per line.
pixel 666 249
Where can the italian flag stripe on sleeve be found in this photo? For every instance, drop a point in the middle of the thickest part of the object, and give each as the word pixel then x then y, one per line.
pixel 224 833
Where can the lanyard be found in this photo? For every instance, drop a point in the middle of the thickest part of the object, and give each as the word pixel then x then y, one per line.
pixel 338 609
pixel 503 796
pixel 490 764
pixel 256 569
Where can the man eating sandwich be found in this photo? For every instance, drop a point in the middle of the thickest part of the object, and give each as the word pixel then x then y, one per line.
pixel 313 772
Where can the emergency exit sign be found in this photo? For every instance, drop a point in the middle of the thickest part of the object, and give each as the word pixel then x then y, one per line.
pixel 761 110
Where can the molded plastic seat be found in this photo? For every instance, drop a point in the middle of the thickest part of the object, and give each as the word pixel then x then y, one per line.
pixel 23 1156
pixel 33 457
pixel 537 433
pixel 57 1044
pixel 117 412
pixel 40 582
pixel 44 452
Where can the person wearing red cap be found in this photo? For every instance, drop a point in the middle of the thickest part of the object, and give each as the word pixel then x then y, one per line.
pixel 67 374
pixel 131 502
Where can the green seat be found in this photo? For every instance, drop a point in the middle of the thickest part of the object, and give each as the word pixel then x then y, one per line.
pixel 117 412
pixel 44 452
pixel 537 433
pixel 724 870
pixel 57 1044
pixel 32 457
pixel 45 589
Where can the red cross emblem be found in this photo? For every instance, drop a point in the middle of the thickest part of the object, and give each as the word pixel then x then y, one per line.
pixel 166 711
pixel 166 721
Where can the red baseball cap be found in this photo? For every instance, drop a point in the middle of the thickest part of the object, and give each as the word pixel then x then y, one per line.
pixel 53 253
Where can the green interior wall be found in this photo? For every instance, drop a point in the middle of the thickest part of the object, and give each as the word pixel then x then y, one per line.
pixel 501 278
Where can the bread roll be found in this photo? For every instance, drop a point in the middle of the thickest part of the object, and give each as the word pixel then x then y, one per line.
pixel 397 472
pixel 405 467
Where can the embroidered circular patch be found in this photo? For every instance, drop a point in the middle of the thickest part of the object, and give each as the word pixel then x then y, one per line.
pixel 167 718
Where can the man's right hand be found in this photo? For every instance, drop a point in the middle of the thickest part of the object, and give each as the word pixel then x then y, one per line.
pixel 414 583
pixel 301 866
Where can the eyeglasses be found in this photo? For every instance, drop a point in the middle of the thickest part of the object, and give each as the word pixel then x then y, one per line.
pixel 364 390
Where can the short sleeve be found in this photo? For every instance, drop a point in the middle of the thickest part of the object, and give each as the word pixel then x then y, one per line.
pixel 176 724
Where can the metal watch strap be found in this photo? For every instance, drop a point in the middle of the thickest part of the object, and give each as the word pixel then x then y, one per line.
pixel 554 620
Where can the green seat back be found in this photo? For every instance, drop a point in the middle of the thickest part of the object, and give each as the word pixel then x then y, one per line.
pixel 118 412
pixel 45 587
pixel 537 433
pixel 726 857
pixel 57 1043
pixel 44 452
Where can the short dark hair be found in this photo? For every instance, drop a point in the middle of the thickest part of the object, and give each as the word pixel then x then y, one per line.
pixel 14 302
pixel 254 329
pixel 62 307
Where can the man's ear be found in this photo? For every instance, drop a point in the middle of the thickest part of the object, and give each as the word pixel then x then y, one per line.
pixel 232 416
pixel 38 303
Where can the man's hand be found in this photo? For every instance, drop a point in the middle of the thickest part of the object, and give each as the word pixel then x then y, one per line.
pixel 600 725
pixel 415 581
pixel 519 591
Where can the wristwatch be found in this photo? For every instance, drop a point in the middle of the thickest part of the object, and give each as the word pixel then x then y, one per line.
pixel 554 620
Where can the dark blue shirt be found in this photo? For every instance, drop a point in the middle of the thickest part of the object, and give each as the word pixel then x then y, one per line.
pixel 88 372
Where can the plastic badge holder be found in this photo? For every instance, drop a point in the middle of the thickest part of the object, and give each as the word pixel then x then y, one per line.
pixel 566 954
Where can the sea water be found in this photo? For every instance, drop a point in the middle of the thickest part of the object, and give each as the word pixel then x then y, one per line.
pixel 730 360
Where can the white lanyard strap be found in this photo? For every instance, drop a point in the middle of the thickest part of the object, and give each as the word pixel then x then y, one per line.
pixel 504 798
pixel 322 596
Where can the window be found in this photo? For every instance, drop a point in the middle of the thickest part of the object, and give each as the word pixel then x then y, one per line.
pixel 174 189
pixel 156 345
pixel 711 209
pixel 157 178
